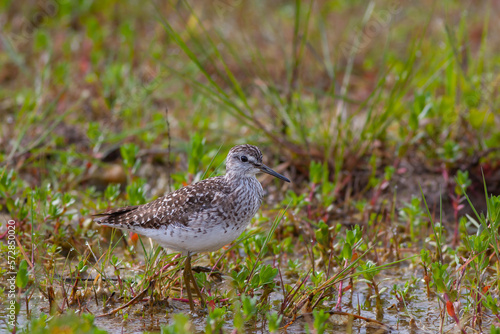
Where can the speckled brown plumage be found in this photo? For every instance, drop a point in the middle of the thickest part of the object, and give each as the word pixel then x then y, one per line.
pixel 175 208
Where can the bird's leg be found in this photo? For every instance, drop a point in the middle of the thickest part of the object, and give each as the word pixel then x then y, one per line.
pixel 196 288
pixel 187 277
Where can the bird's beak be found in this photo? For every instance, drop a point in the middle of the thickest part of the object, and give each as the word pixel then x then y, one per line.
pixel 265 169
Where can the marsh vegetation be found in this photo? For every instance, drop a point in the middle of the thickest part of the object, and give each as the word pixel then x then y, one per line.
pixel 384 114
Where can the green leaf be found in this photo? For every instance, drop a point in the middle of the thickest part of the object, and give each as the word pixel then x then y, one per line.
pixel 315 172
pixel 22 275
pixel 129 153
pixel 322 234
pixel 347 251
pixel 267 274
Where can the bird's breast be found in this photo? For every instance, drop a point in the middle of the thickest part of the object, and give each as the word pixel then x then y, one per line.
pixel 246 200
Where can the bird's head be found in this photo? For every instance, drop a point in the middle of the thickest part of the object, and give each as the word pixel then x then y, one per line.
pixel 246 160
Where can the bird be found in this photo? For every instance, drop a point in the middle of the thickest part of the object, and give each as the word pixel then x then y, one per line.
pixel 200 217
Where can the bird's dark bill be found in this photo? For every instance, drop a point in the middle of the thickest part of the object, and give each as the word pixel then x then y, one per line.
pixel 269 171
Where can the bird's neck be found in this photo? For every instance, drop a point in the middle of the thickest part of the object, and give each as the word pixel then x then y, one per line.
pixel 244 185
pixel 238 180
pixel 238 177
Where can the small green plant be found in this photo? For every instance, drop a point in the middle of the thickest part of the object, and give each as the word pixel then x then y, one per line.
pixel 273 321
pixel 115 262
pixel 352 240
pixel 492 304
pixel 22 276
pixel 441 277
pixel 320 321
pixel 68 323
pixel 450 152
pixel 10 183
pixel 426 262
pixel 112 192
pixel 413 213
pixel 180 324
pixel 129 153
pixel 245 309
pixel 135 192
pixel 403 293
pixel 263 276
pixel 369 271
pixel 297 201
pixel 319 176
pixel 249 306
pixel 216 320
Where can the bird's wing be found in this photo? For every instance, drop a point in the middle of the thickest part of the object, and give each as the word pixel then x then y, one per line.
pixel 174 208
pixel 109 215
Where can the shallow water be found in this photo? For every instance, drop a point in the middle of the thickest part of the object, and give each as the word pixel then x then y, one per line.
pixel 421 316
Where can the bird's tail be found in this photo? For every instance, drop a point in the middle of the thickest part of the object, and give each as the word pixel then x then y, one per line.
pixel 114 216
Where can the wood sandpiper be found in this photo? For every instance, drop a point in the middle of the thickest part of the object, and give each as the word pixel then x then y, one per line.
pixel 201 217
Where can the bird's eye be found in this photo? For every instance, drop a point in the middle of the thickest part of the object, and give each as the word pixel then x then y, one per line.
pixel 244 158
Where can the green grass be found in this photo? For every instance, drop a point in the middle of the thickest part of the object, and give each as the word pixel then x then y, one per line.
pixel 383 114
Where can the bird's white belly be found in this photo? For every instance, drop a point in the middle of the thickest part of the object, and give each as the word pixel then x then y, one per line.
pixel 185 239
